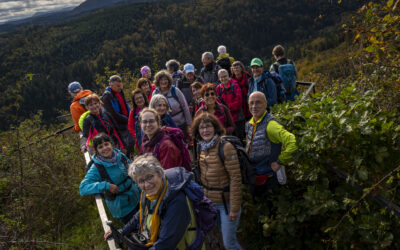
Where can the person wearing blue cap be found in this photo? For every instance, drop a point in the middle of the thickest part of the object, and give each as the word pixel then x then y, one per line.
pixel 77 107
pixel 184 84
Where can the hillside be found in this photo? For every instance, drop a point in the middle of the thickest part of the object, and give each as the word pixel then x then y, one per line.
pixel 37 63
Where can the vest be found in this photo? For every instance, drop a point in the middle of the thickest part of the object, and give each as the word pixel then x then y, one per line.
pixel 261 150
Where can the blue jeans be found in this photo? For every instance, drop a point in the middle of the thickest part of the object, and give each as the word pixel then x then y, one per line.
pixel 228 228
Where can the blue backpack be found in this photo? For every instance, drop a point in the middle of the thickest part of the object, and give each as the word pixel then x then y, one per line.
pixel 288 75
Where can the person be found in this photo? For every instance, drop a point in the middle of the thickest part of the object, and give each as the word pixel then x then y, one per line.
pixel 165 216
pixel 184 83
pixel 160 104
pixel 197 100
pixel 177 102
pixel 223 59
pixel 212 106
pixel 115 104
pixel 139 101
pixel 242 77
pixel 98 121
pixel 221 181
pixel 260 81
pixel 288 70
pixel 209 72
pixel 157 142
pixel 145 71
pixel 229 91
pixel 265 138
pixel 173 68
pixel 120 192
pixel 77 107
pixel 146 86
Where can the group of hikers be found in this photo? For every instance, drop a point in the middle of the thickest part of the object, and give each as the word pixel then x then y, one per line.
pixel 140 154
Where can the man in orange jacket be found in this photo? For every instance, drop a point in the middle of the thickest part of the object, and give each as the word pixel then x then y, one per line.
pixel 77 107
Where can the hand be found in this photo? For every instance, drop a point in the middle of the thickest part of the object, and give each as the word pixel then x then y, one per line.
pixel 83 149
pixel 113 188
pixel 107 234
pixel 233 216
pixel 275 166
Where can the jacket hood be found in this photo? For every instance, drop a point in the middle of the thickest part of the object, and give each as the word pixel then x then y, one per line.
pixel 177 179
pixel 81 94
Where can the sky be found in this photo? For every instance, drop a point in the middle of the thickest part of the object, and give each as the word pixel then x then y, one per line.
pixel 19 9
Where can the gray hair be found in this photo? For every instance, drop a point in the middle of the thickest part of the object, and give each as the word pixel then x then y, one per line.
pixel 115 78
pixel 155 99
pixel 221 49
pixel 173 65
pixel 258 93
pixel 144 164
pixel 222 71
pixel 208 54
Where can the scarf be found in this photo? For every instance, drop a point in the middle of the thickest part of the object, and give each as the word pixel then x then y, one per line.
pixel 113 158
pixel 206 145
pixel 149 144
pixel 155 219
pixel 121 101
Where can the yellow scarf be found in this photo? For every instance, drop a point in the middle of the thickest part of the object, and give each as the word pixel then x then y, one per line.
pixel 155 219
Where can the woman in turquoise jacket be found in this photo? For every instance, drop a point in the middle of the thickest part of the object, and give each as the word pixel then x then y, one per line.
pixel 107 175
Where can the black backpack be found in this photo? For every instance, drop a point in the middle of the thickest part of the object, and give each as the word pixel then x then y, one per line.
pixel 225 63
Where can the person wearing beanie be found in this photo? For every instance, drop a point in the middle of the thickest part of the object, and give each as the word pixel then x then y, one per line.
pixel 224 60
pixel 77 107
pixel 146 72
pixel 209 73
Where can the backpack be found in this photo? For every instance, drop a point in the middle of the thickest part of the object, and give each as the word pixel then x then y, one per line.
pixel 106 177
pixel 176 136
pixel 288 75
pixel 280 89
pixel 225 63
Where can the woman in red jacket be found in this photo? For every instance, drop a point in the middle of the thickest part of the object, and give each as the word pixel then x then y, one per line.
pixel 242 77
pixel 139 101
pixel 213 106
pixel 157 142
pixel 230 93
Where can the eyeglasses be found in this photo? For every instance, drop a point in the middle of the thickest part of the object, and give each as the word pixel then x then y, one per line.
pixel 206 127
pixel 209 94
pixel 147 179
pixel 151 121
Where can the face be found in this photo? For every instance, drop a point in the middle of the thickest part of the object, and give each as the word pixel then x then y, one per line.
pixel 206 131
pixel 116 86
pixel 149 124
pixel 210 97
pixel 237 70
pixel 145 88
pixel 149 182
pixel 190 76
pixel 94 107
pixel 206 60
pixel 139 100
pixel 164 83
pixel 161 107
pixel 257 105
pixel 147 74
pixel 196 93
pixel 223 77
pixel 257 71
pixel 105 149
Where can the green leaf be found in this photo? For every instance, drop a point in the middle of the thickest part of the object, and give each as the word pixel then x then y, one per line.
pixel 363 175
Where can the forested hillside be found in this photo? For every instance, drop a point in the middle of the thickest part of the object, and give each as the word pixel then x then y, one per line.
pixel 37 63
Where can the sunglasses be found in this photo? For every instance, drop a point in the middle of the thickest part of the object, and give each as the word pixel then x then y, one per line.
pixel 209 94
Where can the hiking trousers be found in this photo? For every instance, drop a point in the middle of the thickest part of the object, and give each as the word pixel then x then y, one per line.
pixel 228 228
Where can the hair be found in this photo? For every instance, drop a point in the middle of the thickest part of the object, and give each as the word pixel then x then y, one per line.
pixel 156 115
pixel 139 91
pixel 91 98
pixel 143 164
pixel 161 74
pixel 238 63
pixel 258 93
pixel 221 71
pixel 172 64
pixel 142 81
pixel 196 85
pixel 206 118
pixel 221 49
pixel 99 139
pixel 278 51
pixel 208 54
pixel 155 99
pixel 207 87
pixel 115 78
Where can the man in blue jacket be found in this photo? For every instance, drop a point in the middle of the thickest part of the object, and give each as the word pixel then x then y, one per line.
pixel 261 81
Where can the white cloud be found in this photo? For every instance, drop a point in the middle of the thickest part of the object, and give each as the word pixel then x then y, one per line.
pixel 14 10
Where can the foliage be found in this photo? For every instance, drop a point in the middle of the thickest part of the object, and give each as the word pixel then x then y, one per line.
pixel 349 132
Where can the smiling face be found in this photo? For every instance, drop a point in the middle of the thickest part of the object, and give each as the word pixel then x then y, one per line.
pixel 94 107
pixel 145 88
pixel 105 149
pixel 164 84
pixel 257 105
pixel 147 74
pixel 256 70
pixel 161 107
pixel 237 70
pixel 149 124
pixel 210 97
pixel 205 60
pixel 206 131
pixel 116 86
pixel 149 182
pixel 223 77
pixel 139 100
pixel 196 93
